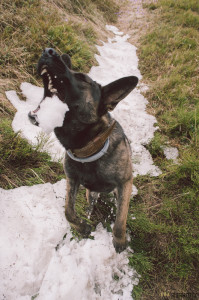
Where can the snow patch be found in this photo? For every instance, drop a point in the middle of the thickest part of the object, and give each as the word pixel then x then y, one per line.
pixel 134 191
pixel 51 113
pixel 171 153
pixel 34 134
pixel 32 224
pixel 90 265
pixel 36 260
pixel 114 29
pixel 118 59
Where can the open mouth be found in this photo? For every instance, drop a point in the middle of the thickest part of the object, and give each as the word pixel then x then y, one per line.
pixel 48 80
pixel 52 107
pixel 49 91
pixel 52 81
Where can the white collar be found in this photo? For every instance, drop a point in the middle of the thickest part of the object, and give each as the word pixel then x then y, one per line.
pixel 90 158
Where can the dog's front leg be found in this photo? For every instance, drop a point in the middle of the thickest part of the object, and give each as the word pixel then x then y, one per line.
pixel 119 229
pixel 77 223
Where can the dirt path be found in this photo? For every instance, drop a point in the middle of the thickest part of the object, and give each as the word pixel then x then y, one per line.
pixel 134 20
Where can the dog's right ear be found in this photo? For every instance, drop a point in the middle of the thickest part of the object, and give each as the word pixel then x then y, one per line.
pixel 115 91
pixel 66 59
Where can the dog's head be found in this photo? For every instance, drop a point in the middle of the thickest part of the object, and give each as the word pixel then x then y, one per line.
pixel 86 99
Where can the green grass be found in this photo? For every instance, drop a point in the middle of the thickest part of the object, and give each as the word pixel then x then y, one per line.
pixel 165 231
pixel 27 27
pixel 66 38
pixel 107 8
pixel 22 164
pixel 27 30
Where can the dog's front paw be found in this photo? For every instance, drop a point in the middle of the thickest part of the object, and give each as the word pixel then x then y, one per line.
pixel 119 246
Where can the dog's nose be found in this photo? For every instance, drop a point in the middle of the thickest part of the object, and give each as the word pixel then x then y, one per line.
pixel 49 51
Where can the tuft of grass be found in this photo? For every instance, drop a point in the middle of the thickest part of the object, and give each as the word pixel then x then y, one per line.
pixel 27 27
pixel 165 231
pixel 185 5
pixel 108 8
pixel 21 164
pixel 25 35
pixel 64 37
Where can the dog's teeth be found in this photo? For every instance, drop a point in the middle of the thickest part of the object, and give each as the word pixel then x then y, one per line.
pixel 53 90
pixel 43 71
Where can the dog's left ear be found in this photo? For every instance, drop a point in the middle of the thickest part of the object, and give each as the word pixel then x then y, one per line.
pixel 66 59
pixel 115 91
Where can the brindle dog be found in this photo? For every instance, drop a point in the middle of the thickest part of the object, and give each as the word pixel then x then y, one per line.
pixel 86 122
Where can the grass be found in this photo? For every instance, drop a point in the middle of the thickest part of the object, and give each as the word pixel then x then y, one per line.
pixel 23 164
pixel 165 231
pixel 26 28
pixel 108 8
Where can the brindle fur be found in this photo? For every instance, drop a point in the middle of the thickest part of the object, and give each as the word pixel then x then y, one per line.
pixel 88 115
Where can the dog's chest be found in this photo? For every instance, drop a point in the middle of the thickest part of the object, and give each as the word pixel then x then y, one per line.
pixel 92 176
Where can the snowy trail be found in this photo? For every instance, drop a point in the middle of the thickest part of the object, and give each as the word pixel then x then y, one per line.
pixel 32 218
pixel 31 263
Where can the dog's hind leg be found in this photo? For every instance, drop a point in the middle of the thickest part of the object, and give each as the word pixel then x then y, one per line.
pixel 119 229
pixel 92 198
pixel 77 223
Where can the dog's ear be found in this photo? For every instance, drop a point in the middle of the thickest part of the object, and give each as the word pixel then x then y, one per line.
pixel 66 59
pixel 115 91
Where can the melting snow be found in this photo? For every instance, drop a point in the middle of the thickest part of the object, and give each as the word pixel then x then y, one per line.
pixel 32 218
pixel 51 113
pixel 34 225
pixel 35 135
pixel 118 59
pixel 171 153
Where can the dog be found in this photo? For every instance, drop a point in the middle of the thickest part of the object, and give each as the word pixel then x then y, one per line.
pixel 98 154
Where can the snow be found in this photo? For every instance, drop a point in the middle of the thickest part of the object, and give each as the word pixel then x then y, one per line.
pixel 34 226
pixel 90 266
pixel 51 113
pixel 35 259
pixel 34 134
pixel 118 59
pixel 171 153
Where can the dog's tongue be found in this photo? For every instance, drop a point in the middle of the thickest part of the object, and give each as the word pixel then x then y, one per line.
pixel 50 113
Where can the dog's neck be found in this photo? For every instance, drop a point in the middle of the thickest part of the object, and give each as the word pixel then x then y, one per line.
pixel 75 136
pixel 96 144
